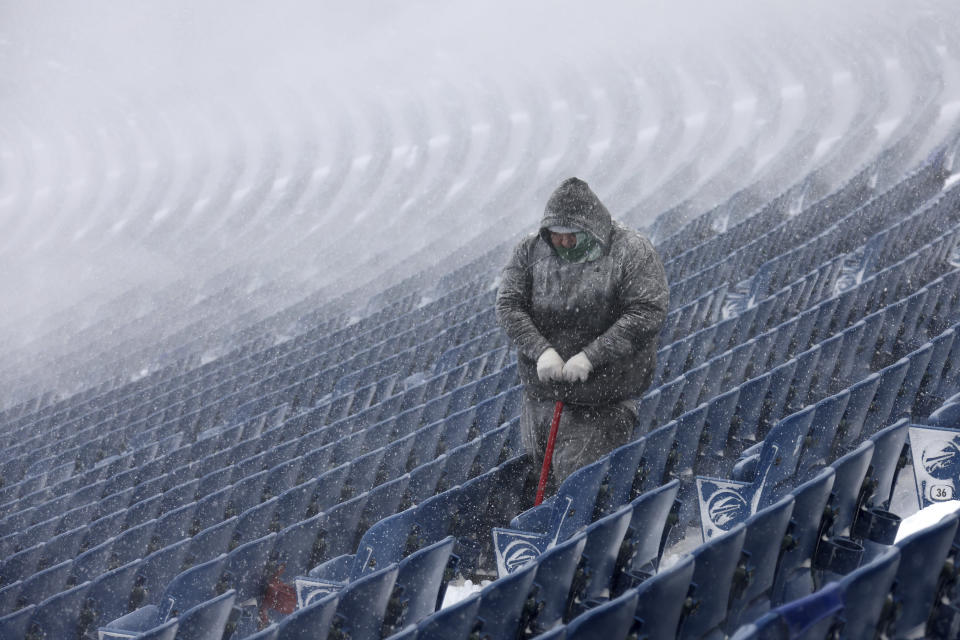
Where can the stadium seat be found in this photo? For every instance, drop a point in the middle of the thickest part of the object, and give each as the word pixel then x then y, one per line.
pixel 715 564
pixel 794 577
pixel 656 454
pixel 600 557
pixel 15 625
pixel 921 561
pixel 454 621
pixel 208 619
pixel 311 622
pixel 363 604
pixel 108 597
pixel 421 580
pixel 504 602
pixel 43 584
pixel 766 532
pixel 661 599
pixel 570 509
pixel 157 570
pixel 865 593
pixel 613 619
pixel 59 616
pixel 622 474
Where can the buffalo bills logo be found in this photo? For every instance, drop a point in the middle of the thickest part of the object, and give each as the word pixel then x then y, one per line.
pixel 727 508
pixel 519 553
pixel 942 460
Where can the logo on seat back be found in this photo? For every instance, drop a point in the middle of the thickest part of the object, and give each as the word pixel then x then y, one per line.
pixel 936 463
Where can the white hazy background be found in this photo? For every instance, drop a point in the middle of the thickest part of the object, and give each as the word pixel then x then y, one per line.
pixel 171 151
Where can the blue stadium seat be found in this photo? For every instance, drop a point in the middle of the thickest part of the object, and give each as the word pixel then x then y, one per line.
pixel 422 579
pixel 744 430
pixel 108 597
pixel 556 568
pixel 425 479
pixel 921 561
pixel 646 534
pixel 947 416
pixel 43 584
pixel 613 619
pixel 850 471
pixel 777 458
pixel 687 443
pixel 822 433
pixel 622 475
pixel 458 426
pixel 887 447
pixel 891 380
pixel 858 404
pixel 715 564
pixel 247 493
pixel 781 378
pixel 600 556
pixel 9 596
pixel 669 396
pixel 454 621
pixel 570 509
pixel 865 593
pixel 661 599
pixel 16 624
pixel 434 516
pixel 292 504
pixel 246 564
pixel 340 530
pixel 142 511
pixel 799 386
pixel 382 544
pixel 656 454
pixel 174 525
pixel 383 500
pixel 157 570
pixel 165 631
pixel 502 603
pixel 20 565
pixel 720 414
pixel 646 407
pixel 208 619
pixel 190 588
pixel 459 465
pixel 211 542
pixel 927 397
pixel 693 384
pixel 255 520
pixel 363 604
pixel 766 532
pixel 330 486
pixel 91 563
pixel 59 616
pixel 311 622
pixel 395 457
pixel 809 618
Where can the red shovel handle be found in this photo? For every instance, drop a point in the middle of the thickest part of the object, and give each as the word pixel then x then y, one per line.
pixel 548 456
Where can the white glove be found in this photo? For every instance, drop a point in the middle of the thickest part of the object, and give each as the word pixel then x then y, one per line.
pixel 577 369
pixel 549 365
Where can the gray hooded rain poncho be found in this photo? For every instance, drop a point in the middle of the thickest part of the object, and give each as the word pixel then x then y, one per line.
pixel 611 308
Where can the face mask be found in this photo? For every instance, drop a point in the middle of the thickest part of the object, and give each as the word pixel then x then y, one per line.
pixel 587 249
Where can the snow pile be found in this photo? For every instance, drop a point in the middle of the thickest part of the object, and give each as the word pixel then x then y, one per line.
pixel 461 589
pixel 926 518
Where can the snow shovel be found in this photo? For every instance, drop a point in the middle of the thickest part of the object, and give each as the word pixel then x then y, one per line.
pixel 548 455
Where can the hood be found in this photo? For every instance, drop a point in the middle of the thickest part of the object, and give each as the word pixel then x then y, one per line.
pixel 573 204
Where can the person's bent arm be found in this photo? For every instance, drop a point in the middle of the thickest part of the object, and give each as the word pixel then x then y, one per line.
pixel 513 300
pixel 644 298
